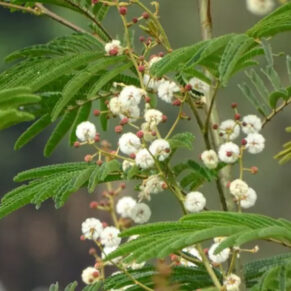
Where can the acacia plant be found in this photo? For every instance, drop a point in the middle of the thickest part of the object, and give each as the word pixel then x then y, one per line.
pixel 129 88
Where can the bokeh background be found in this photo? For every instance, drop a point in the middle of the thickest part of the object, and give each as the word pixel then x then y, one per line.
pixel 41 247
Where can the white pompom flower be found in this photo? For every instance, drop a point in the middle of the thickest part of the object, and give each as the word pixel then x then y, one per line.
pixel 109 237
pixel 124 206
pixel 108 250
pixel 141 213
pixel 90 275
pixel 86 131
pixel 238 188
pixel 249 199
pixel 131 112
pixel 210 159
pixel 228 152
pixel 220 257
pixel 160 149
pixel 153 117
pixel 131 96
pixel 194 202
pixel 115 105
pixel 232 282
pixel 92 228
pixel 255 143
pixel 251 124
pixel 113 48
pixel 229 129
pixel 199 86
pixel 129 143
pixel 152 185
pixel 167 90
pixel 260 7
pixel 151 82
pixel 144 159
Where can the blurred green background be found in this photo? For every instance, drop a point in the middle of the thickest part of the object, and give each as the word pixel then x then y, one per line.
pixel 40 247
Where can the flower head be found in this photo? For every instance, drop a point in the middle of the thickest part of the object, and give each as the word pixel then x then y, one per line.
pixel 255 143
pixel 194 253
pixel 228 152
pixel 131 96
pixel 124 206
pixel 90 275
pixel 115 105
pixel 238 188
pixel 153 117
pixel 113 48
pixel 229 129
pixel 160 149
pixel 109 237
pixel 199 86
pixel 194 202
pixel 210 159
pixel 141 213
pixel 92 228
pixel 129 143
pixel 144 159
pixel 220 257
pixel 251 124
pixel 249 199
pixel 232 282
pixel 260 7
pixel 166 90
pixel 152 185
pixel 86 131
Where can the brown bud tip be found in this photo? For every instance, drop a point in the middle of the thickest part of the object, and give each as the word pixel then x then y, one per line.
pixel 93 204
pixel 228 154
pixel 244 124
pixel 94 1
pixel 147 99
pixel 168 150
pixel 76 144
pixel 220 134
pixel 122 185
pixel 237 116
pixel 215 126
pixel 82 237
pixel 176 102
pixel 97 138
pixel 141 68
pixel 135 20
pixel 174 257
pixel 244 142
pixel 234 105
pixel 161 54
pixel 124 121
pixel 188 87
pixel 145 15
pixel 95 274
pixel 254 170
pixel 99 162
pixel 92 251
pixel 205 251
pixel 139 134
pixel 141 38
pixel 118 128
pixel 228 184
pixel 96 112
pixel 164 118
pixel 88 158
pixel 113 52
pixel 132 156
pixel 154 133
pixel 164 186
pixel 123 10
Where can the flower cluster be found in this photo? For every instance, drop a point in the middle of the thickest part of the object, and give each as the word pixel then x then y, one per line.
pixel 260 7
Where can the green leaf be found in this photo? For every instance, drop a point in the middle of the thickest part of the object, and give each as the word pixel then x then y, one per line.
pixel 61 129
pixel 9 117
pixel 103 117
pixel 181 140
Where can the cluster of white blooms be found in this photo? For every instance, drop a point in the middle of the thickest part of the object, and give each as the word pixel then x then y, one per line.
pixel 160 149
pixel 220 257
pixel 229 129
pixel 127 103
pixel 110 237
pixel 260 7
pixel 210 159
pixel 127 207
pixel 144 159
pixel 129 143
pixel 113 48
pixel 152 185
pixel 166 90
pixel 245 195
pixel 86 131
pixel 193 252
pixel 232 282
pixel 194 202
pixel 90 275
pixel 199 86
